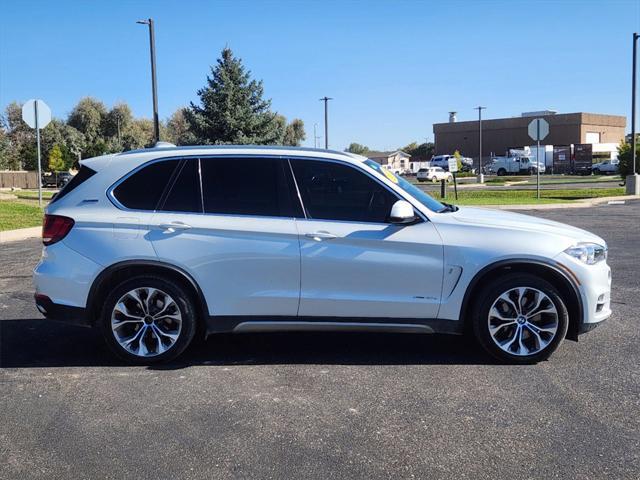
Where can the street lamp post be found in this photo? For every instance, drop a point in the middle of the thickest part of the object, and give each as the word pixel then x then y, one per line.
pixel 632 181
pixel 480 174
pixel 315 135
pixel 154 87
pixel 326 121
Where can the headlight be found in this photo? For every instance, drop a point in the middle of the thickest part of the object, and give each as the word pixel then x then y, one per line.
pixel 589 253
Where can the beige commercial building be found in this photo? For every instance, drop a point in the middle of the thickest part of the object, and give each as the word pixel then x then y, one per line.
pixel 501 134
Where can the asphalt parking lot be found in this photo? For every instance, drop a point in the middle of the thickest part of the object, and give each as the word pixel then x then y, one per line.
pixel 323 406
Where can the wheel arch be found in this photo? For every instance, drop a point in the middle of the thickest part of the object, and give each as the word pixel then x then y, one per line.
pixel 554 274
pixel 116 273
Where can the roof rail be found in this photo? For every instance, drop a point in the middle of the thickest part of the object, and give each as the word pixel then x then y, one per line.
pixel 163 145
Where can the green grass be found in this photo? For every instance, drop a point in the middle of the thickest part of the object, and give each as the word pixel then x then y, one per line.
pixel 15 215
pixel 525 197
pixel 33 194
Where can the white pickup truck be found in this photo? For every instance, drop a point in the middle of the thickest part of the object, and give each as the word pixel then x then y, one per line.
pixel 515 165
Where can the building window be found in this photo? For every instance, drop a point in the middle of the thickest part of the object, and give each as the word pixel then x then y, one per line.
pixel 593 137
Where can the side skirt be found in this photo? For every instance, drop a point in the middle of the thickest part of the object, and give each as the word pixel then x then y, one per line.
pixel 250 324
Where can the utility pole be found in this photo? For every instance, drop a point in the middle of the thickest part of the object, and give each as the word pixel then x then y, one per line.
pixel 480 174
pixel 315 135
pixel 632 181
pixel 326 121
pixel 154 87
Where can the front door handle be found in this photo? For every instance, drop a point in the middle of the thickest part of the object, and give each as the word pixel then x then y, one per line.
pixel 173 226
pixel 320 235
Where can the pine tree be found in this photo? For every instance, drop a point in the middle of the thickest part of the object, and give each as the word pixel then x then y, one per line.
pixel 232 110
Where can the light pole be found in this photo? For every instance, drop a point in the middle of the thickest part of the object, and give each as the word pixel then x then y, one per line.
pixel 480 174
pixel 154 87
pixel 315 135
pixel 326 121
pixel 633 185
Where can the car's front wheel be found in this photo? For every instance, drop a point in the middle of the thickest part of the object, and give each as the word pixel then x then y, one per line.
pixel 520 318
pixel 148 320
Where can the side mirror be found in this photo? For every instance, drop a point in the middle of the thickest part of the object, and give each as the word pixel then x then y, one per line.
pixel 402 212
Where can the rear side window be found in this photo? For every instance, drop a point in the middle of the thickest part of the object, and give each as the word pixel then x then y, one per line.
pixel 184 193
pixel 143 190
pixel 331 191
pixel 246 186
pixel 83 175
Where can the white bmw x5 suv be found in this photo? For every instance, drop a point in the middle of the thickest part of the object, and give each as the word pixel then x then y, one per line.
pixel 157 246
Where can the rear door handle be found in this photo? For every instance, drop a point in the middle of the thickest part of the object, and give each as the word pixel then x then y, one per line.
pixel 320 235
pixel 173 226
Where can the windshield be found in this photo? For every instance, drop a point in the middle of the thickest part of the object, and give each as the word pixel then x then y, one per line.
pixel 423 197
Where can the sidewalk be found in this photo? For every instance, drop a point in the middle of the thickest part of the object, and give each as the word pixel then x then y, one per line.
pixel 583 203
pixel 20 234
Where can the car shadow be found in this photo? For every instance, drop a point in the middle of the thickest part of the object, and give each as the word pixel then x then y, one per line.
pixel 35 343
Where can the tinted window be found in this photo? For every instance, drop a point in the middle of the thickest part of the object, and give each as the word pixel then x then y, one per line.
pixel 332 191
pixel 143 189
pixel 184 193
pixel 246 186
pixel 84 174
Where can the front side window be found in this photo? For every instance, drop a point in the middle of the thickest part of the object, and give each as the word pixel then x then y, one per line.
pixel 246 186
pixel 143 189
pixel 333 191
pixel 421 196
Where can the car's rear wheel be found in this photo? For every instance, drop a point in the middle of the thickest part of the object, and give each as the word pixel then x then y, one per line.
pixel 148 320
pixel 501 172
pixel 520 318
pixel 434 179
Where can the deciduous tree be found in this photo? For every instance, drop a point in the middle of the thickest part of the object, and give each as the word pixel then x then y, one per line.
pixel 56 163
pixel 357 149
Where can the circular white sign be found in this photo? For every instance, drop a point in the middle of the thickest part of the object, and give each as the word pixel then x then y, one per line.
pixel 29 113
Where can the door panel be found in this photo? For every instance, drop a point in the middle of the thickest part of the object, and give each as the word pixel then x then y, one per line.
pixel 244 265
pixel 370 270
pixel 354 262
pixel 242 246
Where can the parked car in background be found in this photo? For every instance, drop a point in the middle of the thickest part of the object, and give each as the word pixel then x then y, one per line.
pixel 155 247
pixel 56 179
pixel 608 167
pixel 433 174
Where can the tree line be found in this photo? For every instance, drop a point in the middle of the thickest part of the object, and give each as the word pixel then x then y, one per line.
pixel 231 110
pixel 420 152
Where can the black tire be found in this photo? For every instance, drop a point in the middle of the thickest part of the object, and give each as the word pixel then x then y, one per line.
pixel 434 180
pixel 597 172
pixel 485 300
pixel 501 172
pixel 183 301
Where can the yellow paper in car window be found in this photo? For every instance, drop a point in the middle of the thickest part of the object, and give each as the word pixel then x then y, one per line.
pixel 390 175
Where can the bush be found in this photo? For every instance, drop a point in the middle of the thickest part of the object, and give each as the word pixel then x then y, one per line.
pixel 626 160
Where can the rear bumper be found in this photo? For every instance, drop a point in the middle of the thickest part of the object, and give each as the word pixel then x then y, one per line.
pixel 61 313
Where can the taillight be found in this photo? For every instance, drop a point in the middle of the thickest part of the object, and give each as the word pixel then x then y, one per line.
pixel 55 228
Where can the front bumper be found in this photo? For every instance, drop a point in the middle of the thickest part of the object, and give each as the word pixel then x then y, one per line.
pixel 594 286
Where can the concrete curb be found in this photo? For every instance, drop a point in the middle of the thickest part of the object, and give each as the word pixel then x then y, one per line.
pixel 583 203
pixel 20 234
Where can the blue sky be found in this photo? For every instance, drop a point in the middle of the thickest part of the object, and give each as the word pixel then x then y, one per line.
pixel 393 67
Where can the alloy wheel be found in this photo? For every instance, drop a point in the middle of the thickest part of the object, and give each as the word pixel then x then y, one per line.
pixel 146 322
pixel 523 321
